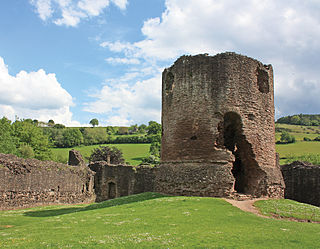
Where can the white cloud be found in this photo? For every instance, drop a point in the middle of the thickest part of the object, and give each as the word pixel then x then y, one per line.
pixel 35 95
pixel 73 11
pixel 116 60
pixel 125 105
pixel 43 8
pixel 284 33
pixel 93 7
pixel 122 4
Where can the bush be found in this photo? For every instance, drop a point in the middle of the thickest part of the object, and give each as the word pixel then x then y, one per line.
pixel 317 139
pixel 103 153
pixel 287 138
pixel 306 139
pixel 26 151
pixel 151 160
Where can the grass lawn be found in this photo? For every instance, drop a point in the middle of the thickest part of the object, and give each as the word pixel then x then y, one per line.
pixel 289 209
pixel 151 220
pixel 133 153
pixel 297 149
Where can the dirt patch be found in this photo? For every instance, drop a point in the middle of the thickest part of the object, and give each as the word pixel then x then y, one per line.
pixel 6 226
pixel 247 205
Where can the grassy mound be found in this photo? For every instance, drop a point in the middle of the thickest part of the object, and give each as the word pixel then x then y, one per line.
pixel 151 220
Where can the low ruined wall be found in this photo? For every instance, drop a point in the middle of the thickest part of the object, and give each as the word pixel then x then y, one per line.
pixel 30 182
pixel 195 179
pixel 302 182
pixel 113 181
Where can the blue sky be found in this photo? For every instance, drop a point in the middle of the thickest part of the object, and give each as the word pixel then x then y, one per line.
pixel 74 60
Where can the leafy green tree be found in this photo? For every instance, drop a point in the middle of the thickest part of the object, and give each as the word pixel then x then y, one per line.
pixel 142 128
pixel 111 130
pixel 71 137
pixel 8 142
pixel 133 129
pixel 94 122
pixel 154 128
pixel 295 120
pixel 29 134
pixel 59 126
pixel 51 122
pixel 105 153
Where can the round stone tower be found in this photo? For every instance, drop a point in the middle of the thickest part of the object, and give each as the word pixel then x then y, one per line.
pixel 218 128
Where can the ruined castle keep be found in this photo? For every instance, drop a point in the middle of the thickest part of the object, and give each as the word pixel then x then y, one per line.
pixel 218 139
pixel 218 128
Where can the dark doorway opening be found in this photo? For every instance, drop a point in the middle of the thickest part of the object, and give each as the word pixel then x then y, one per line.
pixel 112 192
pixel 233 141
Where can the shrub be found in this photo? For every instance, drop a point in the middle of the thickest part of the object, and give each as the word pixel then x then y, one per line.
pixel 26 151
pixel 151 160
pixel 103 153
pixel 306 139
pixel 317 138
pixel 287 138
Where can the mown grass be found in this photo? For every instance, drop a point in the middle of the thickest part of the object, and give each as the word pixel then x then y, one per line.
pixel 151 220
pixel 298 151
pixel 289 209
pixel 133 153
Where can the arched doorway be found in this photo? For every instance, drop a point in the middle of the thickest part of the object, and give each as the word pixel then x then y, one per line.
pixel 112 190
pixel 232 134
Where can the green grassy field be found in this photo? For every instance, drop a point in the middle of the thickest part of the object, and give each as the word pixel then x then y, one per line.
pixel 133 153
pixel 301 150
pixel 286 208
pixel 151 220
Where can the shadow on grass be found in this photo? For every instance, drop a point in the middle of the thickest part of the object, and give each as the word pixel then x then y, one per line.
pixel 137 158
pixel 105 204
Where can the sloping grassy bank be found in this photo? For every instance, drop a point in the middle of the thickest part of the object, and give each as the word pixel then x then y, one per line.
pixel 151 220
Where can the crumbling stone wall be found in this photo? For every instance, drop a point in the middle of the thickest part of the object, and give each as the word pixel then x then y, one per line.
pixel 75 158
pixel 218 128
pixel 302 182
pixel 30 182
pixel 113 181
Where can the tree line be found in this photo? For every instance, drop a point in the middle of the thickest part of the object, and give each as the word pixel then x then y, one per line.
pixel 66 137
pixel 29 139
pixel 301 119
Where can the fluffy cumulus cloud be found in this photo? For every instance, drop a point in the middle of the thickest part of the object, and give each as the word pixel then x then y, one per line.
pixel 36 95
pixel 125 104
pixel 71 12
pixel 284 33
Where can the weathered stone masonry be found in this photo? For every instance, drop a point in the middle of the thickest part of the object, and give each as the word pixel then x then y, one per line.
pixel 113 181
pixel 302 182
pixel 218 128
pixel 30 182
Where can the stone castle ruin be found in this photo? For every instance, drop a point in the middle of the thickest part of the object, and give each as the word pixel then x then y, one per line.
pixel 218 128
pixel 218 139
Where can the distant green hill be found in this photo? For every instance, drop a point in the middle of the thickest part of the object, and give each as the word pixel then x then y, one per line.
pixel 301 119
